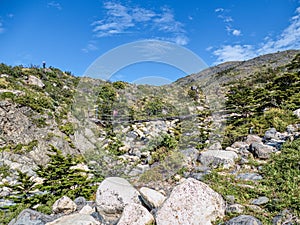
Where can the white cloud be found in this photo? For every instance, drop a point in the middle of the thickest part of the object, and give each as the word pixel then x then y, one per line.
pixel 288 39
pixel 121 19
pixel 91 46
pixel 228 20
pixel 219 10
pixel 234 53
pixel 236 32
pixel 55 5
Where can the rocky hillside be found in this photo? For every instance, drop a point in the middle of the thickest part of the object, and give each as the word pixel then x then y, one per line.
pixel 233 127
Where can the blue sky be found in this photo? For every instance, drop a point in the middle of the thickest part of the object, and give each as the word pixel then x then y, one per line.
pixel 70 35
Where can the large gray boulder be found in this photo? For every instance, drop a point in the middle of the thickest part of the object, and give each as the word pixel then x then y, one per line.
pixel 135 214
pixel 260 150
pixel 192 203
pixel 75 219
pixel 31 217
pixel 113 194
pixel 243 220
pixel 218 158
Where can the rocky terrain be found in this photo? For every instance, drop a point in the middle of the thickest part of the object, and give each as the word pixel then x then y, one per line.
pixel 220 146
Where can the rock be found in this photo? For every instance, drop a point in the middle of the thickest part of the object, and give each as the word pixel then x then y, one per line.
pixel 290 129
pixel 260 150
pixel 235 208
pixel 75 219
pixel 28 216
pixel 249 176
pixel 64 205
pixel 271 134
pixel 113 194
pixel 215 146
pixel 135 214
pixel 230 199
pixel 87 210
pixel 152 198
pixel 80 203
pixel 192 202
pixel 218 158
pixel 260 201
pixel 285 217
pixel 253 138
pixel 32 80
pixel 243 220
pixel 297 113
pixel 240 144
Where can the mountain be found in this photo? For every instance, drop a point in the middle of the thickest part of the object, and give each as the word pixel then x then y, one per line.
pixel 148 134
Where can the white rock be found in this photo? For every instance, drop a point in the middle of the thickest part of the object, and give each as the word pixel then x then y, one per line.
pixel 297 113
pixel 113 194
pixel 64 205
pixel 75 219
pixel 152 198
pixel 32 80
pixel 87 210
pixel 191 203
pixel 218 158
pixel 135 214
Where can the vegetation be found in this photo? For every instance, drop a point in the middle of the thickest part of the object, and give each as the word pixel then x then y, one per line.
pixel 280 184
pixel 265 100
pixel 60 178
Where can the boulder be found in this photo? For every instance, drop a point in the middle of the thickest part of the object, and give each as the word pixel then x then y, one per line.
pixel 32 80
pixel 64 205
pixel 218 158
pixel 191 202
pixel 260 150
pixel 87 210
pixel 243 220
pixel 271 134
pixel 113 194
pixel 135 214
pixel 28 216
pixel 152 198
pixel 75 219
pixel 253 138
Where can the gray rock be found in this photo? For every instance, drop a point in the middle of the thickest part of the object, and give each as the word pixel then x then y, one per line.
pixel 113 194
pixel 80 203
pixel 230 199
pixel 253 138
pixel 260 201
pixel 218 158
pixel 86 210
pixel 31 217
pixel 249 176
pixel 135 214
pixel 152 198
pixel 64 205
pixel 191 202
pixel 271 134
pixel 243 220
pixel 285 217
pixel 75 219
pixel 235 208
pixel 297 113
pixel 260 150
pixel 290 129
